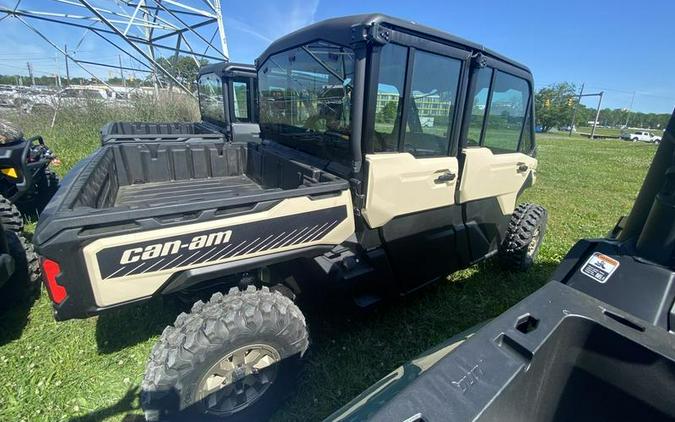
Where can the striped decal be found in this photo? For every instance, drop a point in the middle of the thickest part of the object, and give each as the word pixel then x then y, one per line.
pixel 193 249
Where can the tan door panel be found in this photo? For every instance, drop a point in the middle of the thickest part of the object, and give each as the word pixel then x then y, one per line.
pixel 400 184
pixel 487 175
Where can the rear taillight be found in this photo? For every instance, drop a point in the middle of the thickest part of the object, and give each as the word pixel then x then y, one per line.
pixel 50 270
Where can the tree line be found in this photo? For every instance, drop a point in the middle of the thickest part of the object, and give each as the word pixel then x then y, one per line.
pixel 554 106
pixel 183 68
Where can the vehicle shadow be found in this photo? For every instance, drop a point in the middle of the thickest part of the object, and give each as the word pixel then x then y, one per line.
pixel 15 305
pixel 126 404
pixel 349 352
pixel 350 349
pixel 137 323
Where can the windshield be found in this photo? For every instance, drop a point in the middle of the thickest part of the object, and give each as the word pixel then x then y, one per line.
pixel 305 99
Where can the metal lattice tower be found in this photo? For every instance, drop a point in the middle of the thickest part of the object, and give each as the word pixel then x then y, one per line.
pixel 143 30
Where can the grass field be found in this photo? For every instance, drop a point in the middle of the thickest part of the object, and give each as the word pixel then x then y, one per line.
pixel 600 131
pixel 91 369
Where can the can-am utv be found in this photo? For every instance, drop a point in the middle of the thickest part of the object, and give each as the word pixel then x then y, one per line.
pixel 390 155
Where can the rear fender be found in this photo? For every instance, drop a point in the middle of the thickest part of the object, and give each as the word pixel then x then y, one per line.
pixel 130 266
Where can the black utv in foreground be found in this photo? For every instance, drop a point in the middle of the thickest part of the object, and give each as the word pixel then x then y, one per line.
pixel 597 343
pixel 390 155
pixel 26 181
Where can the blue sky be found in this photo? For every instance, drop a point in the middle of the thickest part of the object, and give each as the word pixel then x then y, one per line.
pixel 617 46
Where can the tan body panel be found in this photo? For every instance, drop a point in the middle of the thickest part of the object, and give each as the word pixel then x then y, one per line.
pixel 400 184
pixel 112 291
pixel 488 175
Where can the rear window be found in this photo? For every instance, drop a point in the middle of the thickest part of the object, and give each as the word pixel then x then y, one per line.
pixel 305 97
pixel 211 98
pixel 506 117
pixel 501 119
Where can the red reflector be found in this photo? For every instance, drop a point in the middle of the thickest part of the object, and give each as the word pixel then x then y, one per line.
pixel 50 269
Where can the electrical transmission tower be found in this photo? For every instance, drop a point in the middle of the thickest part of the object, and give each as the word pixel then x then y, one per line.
pixel 142 30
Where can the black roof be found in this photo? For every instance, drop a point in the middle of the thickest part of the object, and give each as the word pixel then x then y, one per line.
pixel 339 31
pixel 228 69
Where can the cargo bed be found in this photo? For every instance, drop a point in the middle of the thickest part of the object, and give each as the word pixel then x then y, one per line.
pixel 164 132
pixel 152 175
pixel 193 200
pixel 182 191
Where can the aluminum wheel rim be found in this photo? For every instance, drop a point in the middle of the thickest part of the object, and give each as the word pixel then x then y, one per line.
pixel 238 379
pixel 532 247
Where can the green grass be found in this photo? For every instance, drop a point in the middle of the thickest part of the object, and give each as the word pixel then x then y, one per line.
pixel 600 131
pixel 91 369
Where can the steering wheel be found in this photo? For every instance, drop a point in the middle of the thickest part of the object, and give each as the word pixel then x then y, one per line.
pixel 28 169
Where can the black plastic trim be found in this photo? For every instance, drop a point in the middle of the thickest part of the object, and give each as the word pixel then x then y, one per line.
pixel 189 278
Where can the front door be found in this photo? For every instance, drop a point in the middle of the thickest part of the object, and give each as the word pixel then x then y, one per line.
pixel 411 174
pixel 497 161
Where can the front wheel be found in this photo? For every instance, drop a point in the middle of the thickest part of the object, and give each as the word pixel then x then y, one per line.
pixel 635 139
pixel 233 357
pixel 524 237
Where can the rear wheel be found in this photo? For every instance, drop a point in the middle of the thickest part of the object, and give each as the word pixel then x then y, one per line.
pixel 524 237
pixel 25 281
pixel 46 189
pixel 10 217
pixel 235 356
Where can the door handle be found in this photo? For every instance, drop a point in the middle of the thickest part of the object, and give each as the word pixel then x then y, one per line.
pixel 522 167
pixel 446 176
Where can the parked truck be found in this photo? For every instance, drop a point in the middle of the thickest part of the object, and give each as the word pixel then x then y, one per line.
pixel 390 154
pixel 641 136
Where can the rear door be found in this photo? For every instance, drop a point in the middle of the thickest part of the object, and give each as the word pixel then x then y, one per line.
pixel 412 166
pixel 497 158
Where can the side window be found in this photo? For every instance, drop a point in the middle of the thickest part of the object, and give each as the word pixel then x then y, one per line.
pixel 388 108
pixel 430 113
pixel 211 97
pixel 479 105
pixel 508 106
pixel 241 111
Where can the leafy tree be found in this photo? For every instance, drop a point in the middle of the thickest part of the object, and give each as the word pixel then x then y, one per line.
pixel 387 114
pixel 554 105
pixel 183 68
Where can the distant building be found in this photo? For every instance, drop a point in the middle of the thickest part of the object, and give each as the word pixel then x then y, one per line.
pixel 429 105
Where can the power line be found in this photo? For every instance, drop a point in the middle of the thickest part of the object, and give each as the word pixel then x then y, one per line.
pixel 137 29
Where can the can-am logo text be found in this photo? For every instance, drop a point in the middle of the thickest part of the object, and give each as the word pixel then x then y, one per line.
pixel 172 247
